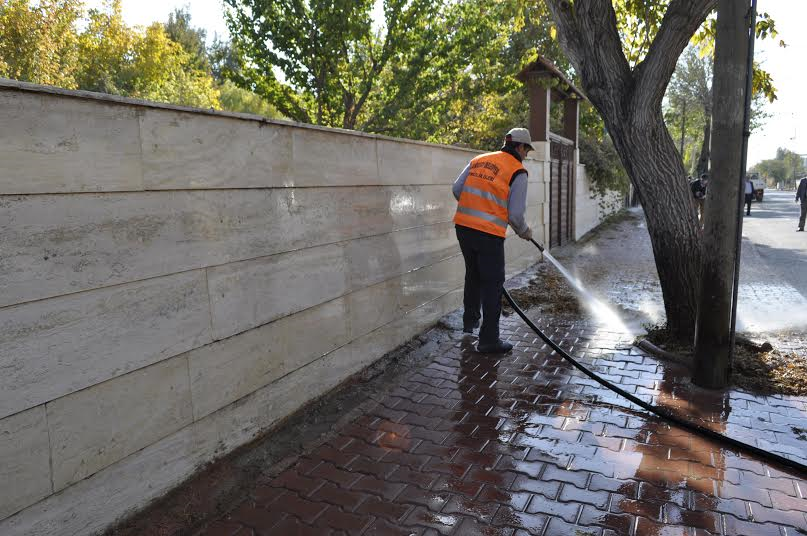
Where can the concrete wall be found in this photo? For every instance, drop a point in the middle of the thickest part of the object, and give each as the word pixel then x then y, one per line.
pixel 174 281
pixel 590 208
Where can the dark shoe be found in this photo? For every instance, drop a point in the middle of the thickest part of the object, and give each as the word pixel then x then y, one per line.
pixel 498 347
pixel 800 229
pixel 469 328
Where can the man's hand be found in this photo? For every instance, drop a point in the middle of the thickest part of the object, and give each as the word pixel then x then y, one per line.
pixel 526 235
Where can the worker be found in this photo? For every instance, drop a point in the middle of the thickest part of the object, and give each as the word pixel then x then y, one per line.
pixel 491 192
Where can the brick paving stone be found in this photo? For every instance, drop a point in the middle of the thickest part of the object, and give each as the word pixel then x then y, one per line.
pixel 391 511
pixel 264 495
pixel 423 517
pixel 533 485
pixel 290 479
pixel 221 527
pixel 576 478
pixel 737 527
pixel 793 518
pixel 328 471
pixel 434 500
pixel 379 487
pixel 298 506
pixel 417 478
pixel 572 494
pixel 257 518
pixel 472 527
pixel 336 519
pixel 365 466
pixel 483 511
pixel 647 526
pixel 783 501
pixel 643 508
pixel 333 455
pixel 531 523
pixel 514 499
pixel 332 494
pixel 708 521
pixel 380 527
pixel 523 444
pixel 295 527
pixel 452 485
pixel 540 505
pixel 559 527
pixel 621 523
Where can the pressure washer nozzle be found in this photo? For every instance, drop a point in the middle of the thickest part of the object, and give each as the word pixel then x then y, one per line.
pixel 539 246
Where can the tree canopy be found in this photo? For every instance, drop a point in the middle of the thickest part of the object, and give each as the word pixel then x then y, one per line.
pixel 785 166
pixel 57 42
pixel 330 63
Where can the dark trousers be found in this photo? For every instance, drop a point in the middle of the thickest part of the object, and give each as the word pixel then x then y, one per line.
pixel 484 277
pixel 748 199
pixel 803 214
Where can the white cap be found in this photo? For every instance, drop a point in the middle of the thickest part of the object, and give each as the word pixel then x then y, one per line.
pixel 519 135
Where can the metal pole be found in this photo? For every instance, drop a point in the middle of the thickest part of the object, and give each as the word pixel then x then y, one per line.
pixel 746 134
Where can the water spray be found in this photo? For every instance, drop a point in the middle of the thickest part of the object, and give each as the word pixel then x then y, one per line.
pixel 657 411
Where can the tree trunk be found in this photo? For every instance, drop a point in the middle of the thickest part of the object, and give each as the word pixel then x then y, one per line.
pixel 629 100
pixel 657 172
pixel 713 328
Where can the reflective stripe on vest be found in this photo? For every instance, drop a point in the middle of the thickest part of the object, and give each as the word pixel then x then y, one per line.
pixel 484 215
pixel 485 195
pixel 483 201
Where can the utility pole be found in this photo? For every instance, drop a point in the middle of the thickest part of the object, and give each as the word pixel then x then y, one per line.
pixel 712 326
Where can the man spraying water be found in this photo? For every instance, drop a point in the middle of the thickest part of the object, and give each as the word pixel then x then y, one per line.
pixel 491 193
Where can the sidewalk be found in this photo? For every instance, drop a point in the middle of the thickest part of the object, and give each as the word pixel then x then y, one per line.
pixel 466 444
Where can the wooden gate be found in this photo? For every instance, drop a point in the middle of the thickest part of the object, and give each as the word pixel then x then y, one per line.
pixel 561 193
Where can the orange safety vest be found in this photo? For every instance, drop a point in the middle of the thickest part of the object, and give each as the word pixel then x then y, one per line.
pixel 483 200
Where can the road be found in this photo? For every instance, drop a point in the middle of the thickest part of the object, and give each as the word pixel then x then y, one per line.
pixel 616 263
pixel 773 274
pixel 772 230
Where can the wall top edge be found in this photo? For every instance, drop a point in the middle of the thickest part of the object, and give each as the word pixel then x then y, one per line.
pixel 7 84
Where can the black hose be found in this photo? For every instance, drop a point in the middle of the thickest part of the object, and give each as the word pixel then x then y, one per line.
pixel 660 412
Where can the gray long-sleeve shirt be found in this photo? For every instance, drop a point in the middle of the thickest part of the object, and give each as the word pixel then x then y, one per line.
pixel 516 201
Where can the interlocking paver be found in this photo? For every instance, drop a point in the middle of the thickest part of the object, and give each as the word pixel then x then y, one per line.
pixel 258 518
pixel 391 511
pixel 443 523
pixel 222 527
pixel 336 518
pixel 523 444
pixel 331 494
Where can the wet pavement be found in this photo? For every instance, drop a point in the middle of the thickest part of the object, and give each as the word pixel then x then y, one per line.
pixel 616 263
pixel 465 444
pixel 522 444
pixel 469 444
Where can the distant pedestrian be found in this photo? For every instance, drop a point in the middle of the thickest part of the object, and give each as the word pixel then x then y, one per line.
pixel 698 188
pixel 491 193
pixel 801 195
pixel 749 195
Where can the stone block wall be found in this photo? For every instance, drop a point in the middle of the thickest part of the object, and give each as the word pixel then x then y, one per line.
pixel 173 282
pixel 591 209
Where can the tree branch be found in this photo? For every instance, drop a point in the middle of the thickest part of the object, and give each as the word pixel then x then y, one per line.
pixel 681 20
pixel 589 36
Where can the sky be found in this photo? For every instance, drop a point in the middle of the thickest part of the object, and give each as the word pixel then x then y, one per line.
pixel 207 14
pixel 787 126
